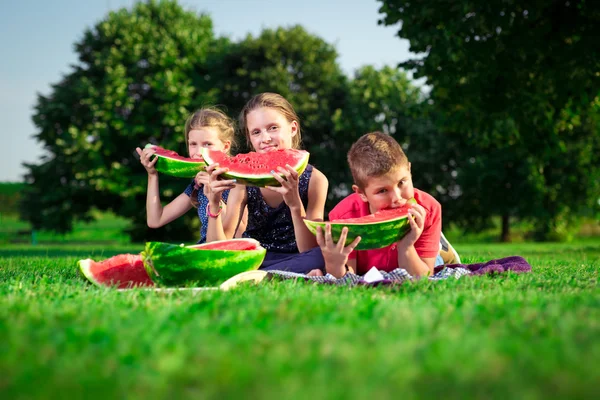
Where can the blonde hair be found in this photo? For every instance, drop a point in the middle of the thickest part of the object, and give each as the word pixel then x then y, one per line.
pixel 209 117
pixel 374 154
pixel 276 102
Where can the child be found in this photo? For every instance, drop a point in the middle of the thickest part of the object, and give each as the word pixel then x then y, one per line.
pixel 207 127
pixel 383 180
pixel 275 214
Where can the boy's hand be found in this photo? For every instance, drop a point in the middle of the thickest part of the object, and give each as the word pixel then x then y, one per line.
pixel 335 254
pixel 145 156
pixel 289 186
pixel 416 218
pixel 217 185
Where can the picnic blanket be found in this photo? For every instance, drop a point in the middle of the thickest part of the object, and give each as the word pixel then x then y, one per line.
pixel 375 277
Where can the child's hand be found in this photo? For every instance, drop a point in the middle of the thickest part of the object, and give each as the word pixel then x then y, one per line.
pixel 416 218
pixel 217 185
pixel 145 156
pixel 335 254
pixel 202 179
pixel 289 187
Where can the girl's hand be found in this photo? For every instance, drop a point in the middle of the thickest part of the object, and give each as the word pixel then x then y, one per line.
pixel 335 254
pixel 202 179
pixel 289 187
pixel 416 218
pixel 217 185
pixel 145 156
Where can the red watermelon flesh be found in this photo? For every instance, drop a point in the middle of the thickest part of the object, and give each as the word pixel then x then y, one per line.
pixel 231 244
pixel 379 216
pixel 174 155
pixel 255 169
pixel 123 271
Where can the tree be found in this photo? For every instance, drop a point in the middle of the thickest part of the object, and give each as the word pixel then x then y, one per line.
pixel 138 75
pixel 527 64
pixel 378 100
pixel 302 68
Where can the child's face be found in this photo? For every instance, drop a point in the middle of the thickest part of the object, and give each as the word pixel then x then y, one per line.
pixel 205 137
pixel 270 130
pixel 388 191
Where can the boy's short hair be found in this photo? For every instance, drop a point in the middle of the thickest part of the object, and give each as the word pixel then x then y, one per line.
pixel 374 154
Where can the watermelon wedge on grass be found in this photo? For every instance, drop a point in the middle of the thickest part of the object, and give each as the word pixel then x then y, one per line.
pixel 171 163
pixel 254 169
pixel 122 271
pixel 205 265
pixel 377 230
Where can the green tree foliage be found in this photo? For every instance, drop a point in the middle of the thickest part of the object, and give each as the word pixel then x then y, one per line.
pixel 138 76
pixel 302 68
pixel 140 73
pixel 517 85
pixel 378 100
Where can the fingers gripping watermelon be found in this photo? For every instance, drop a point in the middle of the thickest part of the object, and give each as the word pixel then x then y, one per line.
pixel 254 169
pixel 377 230
pixel 171 163
pixel 207 264
pixel 122 271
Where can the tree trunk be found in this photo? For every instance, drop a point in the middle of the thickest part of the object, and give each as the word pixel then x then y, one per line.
pixel 505 235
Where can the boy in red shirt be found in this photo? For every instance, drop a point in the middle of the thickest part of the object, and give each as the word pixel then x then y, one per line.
pixel 382 177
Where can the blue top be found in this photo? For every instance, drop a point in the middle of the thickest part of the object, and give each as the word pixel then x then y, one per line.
pixel 202 203
pixel 273 227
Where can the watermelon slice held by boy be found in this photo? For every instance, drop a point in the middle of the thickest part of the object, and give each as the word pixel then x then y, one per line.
pixel 377 230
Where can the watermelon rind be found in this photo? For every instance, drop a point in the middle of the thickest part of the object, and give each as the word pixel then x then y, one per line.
pixel 84 267
pixel 173 265
pixel 259 180
pixel 374 235
pixel 130 281
pixel 178 168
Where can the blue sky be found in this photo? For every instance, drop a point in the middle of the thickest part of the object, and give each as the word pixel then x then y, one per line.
pixel 37 37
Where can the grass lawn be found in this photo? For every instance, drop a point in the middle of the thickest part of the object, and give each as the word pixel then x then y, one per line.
pixel 514 336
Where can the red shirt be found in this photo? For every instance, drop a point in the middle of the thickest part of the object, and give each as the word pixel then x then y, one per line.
pixel 386 259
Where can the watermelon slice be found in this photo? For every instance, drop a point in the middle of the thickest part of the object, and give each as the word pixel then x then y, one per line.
pixel 229 244
pixel 378 230
pixel 205 264
pixel 254 169
pixel 171 163
pixel 122 271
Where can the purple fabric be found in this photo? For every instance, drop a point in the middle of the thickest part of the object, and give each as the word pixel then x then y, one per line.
pixel 513 263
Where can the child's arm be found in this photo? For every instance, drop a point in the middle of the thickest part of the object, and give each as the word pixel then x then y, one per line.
pixel 407 254
pixel 223 227
pixel 335 254
pixel 156 214
pixel 317 194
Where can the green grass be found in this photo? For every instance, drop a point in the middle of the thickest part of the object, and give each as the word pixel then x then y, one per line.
pixel 513 336
pixel 106 230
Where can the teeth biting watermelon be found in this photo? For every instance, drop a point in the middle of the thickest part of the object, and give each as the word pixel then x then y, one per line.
pixel 171 163
pixel 254 169
pixel 205 264
pixel 377 230
pixel 122 271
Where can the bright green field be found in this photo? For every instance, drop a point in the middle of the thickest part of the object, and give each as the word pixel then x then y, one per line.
pixel 529 336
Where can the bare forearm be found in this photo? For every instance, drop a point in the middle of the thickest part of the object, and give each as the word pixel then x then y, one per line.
pixel 215 230
pixel 414 265
pixel 154 208
pixel 305 240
